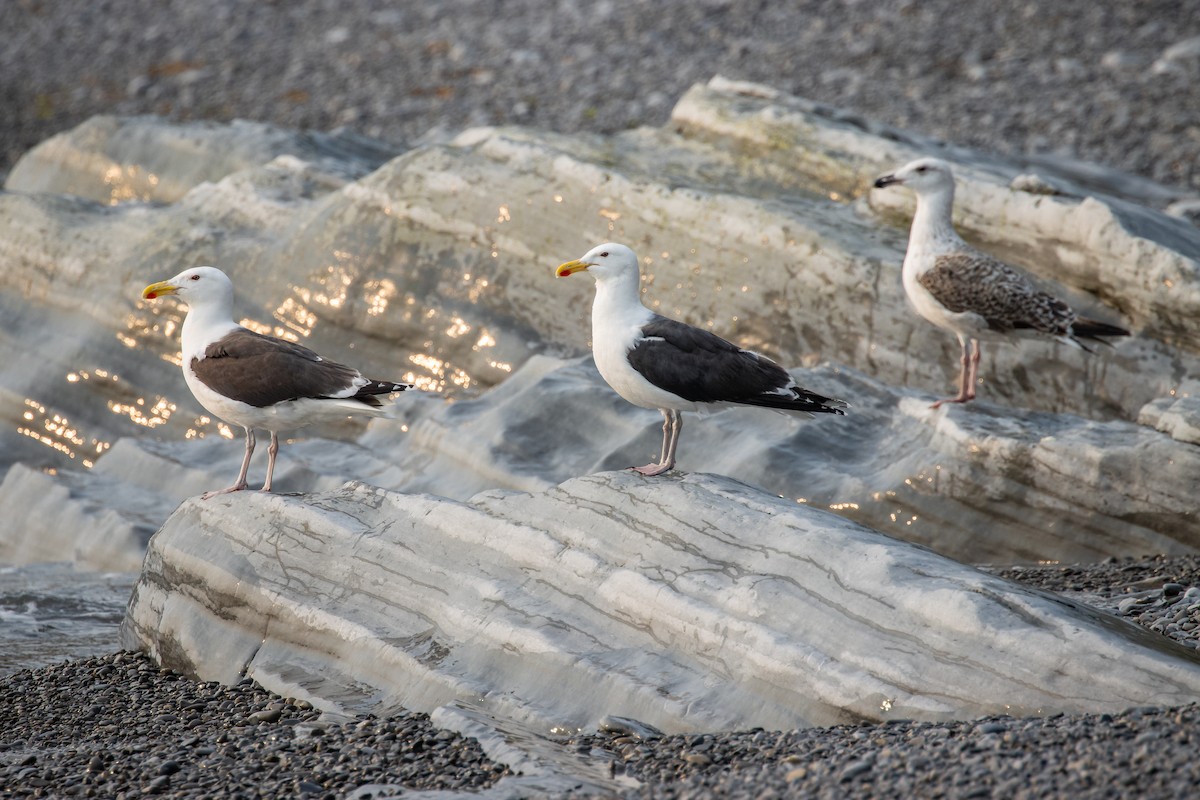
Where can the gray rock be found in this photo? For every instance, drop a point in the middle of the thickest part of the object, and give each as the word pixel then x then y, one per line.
pixel 976 484
pixel 437 264
pixel 1180 57
pixel 117 160
pixel 613 594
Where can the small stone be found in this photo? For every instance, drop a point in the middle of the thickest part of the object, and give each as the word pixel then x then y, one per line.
pixel 697 759
pixel 1172 589
pixel 191 77
pixel 1184 50
pixel 629 727
pixel 137 85
pixel 266 715
pixel 1034 184
pixel 1127 606
pixel 854 769
pixel 796 774
pixel 1119 60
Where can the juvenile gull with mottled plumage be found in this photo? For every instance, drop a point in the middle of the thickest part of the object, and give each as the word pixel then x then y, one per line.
pixel 656 362
pixel 970 293
pixel 258 381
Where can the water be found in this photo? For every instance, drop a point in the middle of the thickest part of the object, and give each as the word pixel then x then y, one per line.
pixel 53 612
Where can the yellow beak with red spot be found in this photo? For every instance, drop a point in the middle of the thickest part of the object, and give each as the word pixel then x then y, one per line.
pixel 571 267
pixel 158 289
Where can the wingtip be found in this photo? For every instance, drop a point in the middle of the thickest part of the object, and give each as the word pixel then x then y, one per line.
pixel 835 405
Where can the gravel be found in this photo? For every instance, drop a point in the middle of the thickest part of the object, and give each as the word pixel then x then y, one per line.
pixel 1110 578
pixel 1114 83
pixel 118 725
pixel 1140 753
pixel 1160 593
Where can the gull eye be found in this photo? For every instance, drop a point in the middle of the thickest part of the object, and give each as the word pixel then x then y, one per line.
pixel 195 278
pixel 922 169
pixel 604 254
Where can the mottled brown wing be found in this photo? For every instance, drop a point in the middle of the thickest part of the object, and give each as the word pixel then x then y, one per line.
pixel 262 370
pixel 1006 299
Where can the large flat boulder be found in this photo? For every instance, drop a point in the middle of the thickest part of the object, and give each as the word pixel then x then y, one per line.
pixel 692 602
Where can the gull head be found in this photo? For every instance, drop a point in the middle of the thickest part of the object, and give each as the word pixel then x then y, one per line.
pixel 605 262
pixel 197 286
pixel 925 175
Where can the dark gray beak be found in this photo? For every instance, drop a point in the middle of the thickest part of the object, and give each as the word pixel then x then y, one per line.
pixel 886 180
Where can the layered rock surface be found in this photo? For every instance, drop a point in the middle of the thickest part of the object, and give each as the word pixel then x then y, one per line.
pixel 753 215
pixel 977 484
pixel 690 603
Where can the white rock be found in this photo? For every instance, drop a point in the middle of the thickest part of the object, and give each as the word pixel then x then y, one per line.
pixel 978 485
pixel 1188 209
pixel 1119 60
pixel 1179 57
pixel 690 603
pixel 1183 50
pixel 115 160
pixel 336 36
pixel 756 219
pixel 1178 414
pixel 102 526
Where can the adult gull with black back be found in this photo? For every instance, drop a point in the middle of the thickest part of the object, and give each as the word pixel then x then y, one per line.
pixel 656 362
pixel 258 381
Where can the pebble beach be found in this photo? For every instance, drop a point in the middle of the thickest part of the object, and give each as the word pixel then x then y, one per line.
pixel 119 726
pixel 1114 84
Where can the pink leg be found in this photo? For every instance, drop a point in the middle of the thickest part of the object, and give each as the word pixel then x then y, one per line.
pixel 675 431
pixel 672 425
pixel 272 451
pixel 241 479
pixel 968 367
pixel 973 375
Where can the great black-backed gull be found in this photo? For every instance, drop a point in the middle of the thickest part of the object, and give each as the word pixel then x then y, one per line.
pixel 655 362
pixel 970 293
pixel 258 381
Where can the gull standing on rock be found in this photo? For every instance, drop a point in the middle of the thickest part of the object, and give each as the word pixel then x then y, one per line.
pixel 258 381
pixel 655 362
pixel 970 293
